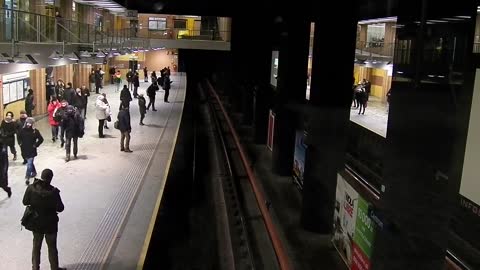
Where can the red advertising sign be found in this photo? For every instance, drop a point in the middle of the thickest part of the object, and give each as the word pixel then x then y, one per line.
pixel 360 261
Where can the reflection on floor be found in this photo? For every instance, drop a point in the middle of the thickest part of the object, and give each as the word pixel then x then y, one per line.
pixel 375 117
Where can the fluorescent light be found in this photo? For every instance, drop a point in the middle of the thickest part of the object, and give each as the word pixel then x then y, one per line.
pixel 463 17
pixel 85 54
pixel 55 55
pixel 72 56
pixel 378 20
pixel 100 54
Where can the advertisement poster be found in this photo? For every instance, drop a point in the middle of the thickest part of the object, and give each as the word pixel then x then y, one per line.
pixel 354 231
pixel 299 157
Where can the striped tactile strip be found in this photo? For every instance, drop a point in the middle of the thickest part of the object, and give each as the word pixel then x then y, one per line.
pixel 98 249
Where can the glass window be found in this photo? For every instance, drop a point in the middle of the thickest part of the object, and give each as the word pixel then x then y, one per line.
pixel 180 24
pixel 375 35
pixel 155 23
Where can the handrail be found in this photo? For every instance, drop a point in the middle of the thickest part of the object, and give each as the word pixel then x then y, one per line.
pixel 278 247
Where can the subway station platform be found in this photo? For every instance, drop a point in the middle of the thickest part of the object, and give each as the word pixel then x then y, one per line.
pixel 110 196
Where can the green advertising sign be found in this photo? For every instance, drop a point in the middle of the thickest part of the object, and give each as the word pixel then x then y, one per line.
pixel 364 229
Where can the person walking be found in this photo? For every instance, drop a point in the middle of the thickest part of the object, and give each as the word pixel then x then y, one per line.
pixel 85 95
pixel 73 125
pixel 45 200
pixel 151 93
pixel 20 125
pixel 111 72
pixel 58 116
pixel 118 80
pixel 109 111
pixel 29 140
pixel 101 113
pixel 79 102
pixel 142 107
pixel 125 129
pixel 4 171
pixel 91 80
pixel 129 76
pixel 8 128
pixel 98 81
pixel 52 106
pixel 29 102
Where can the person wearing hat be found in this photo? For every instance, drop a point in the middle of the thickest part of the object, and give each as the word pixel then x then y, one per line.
pixel 142 106
pixel 29 139
pixel 46 201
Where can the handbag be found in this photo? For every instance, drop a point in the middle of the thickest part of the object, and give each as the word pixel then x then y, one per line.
pixel 109 119
pixel 116 125
pixel 29 218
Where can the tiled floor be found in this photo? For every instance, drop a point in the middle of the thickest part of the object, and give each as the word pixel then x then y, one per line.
pixel 109 195
pixel 375 117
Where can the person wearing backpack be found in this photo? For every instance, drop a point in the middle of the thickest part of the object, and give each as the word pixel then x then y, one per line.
pixel 73 125
pixel 45 200
pixel 29 140
pixel 52 106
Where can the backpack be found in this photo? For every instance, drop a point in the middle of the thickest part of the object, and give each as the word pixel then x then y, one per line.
pixel 79 125
pixel 58 114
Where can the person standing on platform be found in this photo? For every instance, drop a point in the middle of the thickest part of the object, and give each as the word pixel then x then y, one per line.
pixel 125 129
pixel 118 80
pixel 151 93
pixel 50 90
pixel 166 86
pixel 74 128
pixel 129 76
pixel 101 113
pixel 136 84
pixel 52 106
pixel 29 102
pixel 69 93
pixel 59 89
pixel 29 140
pixel 142 107
pixel 4 171
pixel 8 128
pixel 98 81
pixel 125 97
pixel 111 72
pixel 58 116
pixel 154 77
pixel 79 102
pixel 145 74
pixel 46 201
pixel 91 80
pixel 20 125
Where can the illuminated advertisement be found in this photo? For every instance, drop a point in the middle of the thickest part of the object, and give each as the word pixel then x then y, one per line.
pixel 310 55
pixel 354 231
pixel 299 157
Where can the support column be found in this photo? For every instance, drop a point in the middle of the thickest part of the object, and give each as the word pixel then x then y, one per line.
pixel 291 89
pixel 251 54
pixel 328 116
pixel 430 103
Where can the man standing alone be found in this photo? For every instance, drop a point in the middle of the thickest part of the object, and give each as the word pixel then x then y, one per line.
pixel 45 200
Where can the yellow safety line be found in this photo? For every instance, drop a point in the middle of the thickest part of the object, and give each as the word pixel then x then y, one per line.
pixel 148 237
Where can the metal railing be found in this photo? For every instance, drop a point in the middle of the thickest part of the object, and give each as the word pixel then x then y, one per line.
pixel 372 49
pixel 191 34
pixel 26 26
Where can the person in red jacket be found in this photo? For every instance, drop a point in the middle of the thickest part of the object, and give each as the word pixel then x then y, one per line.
pixel 52 106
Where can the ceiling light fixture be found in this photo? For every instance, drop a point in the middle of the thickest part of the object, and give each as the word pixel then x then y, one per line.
pixel 55 55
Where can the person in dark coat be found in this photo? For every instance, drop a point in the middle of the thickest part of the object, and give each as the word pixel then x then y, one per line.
pixel 151 93
pixel 166 86
pixel 69 93
pixel 111 72
pixel 59 89
pixel 72 123
pixel 29 103
pixel 79 102
pixel 4 171
pixel 129 77
pixel 98 81
pixel 145 74
pixel 29 140
pixel 50 91
pixel 125 97
pixel 136 84
pixel 45 200
pixel 125 129
pixel 154 76
pixel 142 106
pixel 8 128
pixel 20 125
pixel 85 95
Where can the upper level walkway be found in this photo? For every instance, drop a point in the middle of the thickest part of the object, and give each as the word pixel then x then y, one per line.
pixel 109 195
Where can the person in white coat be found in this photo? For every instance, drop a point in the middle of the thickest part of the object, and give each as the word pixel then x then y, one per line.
pixel 102 113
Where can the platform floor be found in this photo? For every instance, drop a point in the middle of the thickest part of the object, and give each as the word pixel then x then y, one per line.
pixel 375 117
pixel 109 195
